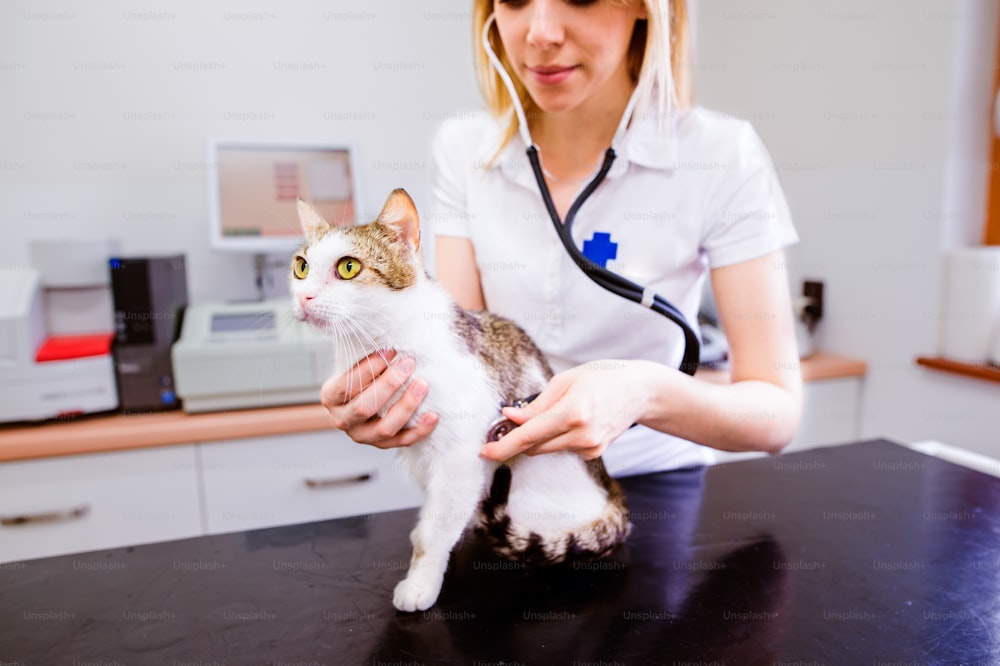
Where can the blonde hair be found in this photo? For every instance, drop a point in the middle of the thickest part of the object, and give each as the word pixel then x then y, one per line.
pixel 657 60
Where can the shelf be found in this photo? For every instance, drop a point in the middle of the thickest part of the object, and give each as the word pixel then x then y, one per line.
pixel 990 373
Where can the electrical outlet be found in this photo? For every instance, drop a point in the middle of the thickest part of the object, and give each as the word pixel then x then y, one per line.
pixel 813 289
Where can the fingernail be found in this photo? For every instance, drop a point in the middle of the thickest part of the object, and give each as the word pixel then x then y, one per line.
pixel 430 418
pixel 405 365
pixel 418 389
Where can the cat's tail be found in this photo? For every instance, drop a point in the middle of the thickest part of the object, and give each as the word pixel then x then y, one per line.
pixel 515 540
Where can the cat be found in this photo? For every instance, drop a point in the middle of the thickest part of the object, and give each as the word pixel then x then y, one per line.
pixel 365 286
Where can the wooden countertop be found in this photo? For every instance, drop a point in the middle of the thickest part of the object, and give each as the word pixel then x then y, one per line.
pixel 97 433
pixel 816 367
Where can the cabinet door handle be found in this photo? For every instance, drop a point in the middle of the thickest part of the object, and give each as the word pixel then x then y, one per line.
pixel 45 516
pixel 331 481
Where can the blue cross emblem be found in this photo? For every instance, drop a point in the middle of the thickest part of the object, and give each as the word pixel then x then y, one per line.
pixel 599 249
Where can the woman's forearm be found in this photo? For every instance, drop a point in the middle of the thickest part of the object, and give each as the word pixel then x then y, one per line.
pixel 749 415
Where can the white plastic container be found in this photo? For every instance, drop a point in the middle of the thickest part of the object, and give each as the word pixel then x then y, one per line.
pixel 970 309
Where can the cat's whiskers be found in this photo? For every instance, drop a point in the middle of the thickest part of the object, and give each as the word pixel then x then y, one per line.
pixel 353 334
pixel 359 320
pixel 347 344
pixel 352 338
pixel 350 347
pixel 362 336
pixel 339 349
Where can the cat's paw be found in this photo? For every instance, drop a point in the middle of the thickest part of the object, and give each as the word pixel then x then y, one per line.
pixel 415 595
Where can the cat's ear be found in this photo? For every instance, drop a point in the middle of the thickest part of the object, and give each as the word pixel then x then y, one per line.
pixel 400 213
pixel 313 224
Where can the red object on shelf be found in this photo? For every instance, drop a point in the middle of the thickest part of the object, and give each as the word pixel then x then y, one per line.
pixel 65 347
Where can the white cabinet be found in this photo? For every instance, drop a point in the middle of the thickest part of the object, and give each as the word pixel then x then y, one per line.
pixel 279 480
pixel 69 504
pixel 831 413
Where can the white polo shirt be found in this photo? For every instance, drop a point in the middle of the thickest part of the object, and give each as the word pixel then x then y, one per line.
pixel 674 205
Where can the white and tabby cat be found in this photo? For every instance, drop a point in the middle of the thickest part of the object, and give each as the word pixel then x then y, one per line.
pixel 366 287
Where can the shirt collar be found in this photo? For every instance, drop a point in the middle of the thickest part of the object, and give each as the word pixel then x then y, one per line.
pixel 649 142
pixel 512 161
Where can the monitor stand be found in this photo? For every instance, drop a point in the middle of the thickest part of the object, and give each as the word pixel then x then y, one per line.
pixel 271 276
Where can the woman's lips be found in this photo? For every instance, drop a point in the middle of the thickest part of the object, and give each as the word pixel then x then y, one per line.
pixel 551 74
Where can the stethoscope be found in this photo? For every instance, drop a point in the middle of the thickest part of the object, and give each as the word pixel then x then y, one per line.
pixel 607 279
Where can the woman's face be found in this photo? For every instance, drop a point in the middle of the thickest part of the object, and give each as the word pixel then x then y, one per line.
pixel 568 52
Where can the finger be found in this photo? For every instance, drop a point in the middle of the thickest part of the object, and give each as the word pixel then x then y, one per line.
pixel 370 401
pixel 395 419
pixel 570 441
pixel 544 402
pixel 367 403
pixel 409 436
pixel 345 387
pixel 533 432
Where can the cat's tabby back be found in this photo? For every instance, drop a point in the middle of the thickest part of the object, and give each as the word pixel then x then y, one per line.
pixel 365 286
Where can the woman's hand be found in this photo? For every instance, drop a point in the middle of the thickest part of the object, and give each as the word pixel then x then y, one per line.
pixel 355 398
pixel 583 409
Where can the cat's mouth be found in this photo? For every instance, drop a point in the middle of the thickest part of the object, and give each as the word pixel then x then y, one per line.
pixel 313 319
pixel 334 324
pixel 301 312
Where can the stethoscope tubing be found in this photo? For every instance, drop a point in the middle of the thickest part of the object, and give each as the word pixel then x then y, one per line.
pixel 603 277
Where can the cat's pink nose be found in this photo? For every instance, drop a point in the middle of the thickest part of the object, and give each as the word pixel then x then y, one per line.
pixel 304 300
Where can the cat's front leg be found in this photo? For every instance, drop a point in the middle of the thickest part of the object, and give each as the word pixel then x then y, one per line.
pixel 453 496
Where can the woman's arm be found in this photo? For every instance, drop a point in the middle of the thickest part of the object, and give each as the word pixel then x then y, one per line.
pixel 760 409
pixel 456 270
pixel 587 407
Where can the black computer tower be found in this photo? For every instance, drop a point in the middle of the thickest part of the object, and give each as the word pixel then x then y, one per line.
pixel 150 294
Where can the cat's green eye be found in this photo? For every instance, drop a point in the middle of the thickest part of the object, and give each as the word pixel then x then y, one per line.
pixel 300 267
pixel 348 268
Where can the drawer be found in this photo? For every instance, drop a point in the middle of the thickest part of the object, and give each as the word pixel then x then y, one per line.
pixel 126 498
pixel 279 480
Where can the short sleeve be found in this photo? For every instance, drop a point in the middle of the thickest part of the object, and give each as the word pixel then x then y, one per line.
pixel 747 215
pixel 449 215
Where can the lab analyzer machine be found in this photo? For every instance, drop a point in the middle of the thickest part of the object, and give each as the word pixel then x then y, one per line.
pixel 44 376
pixel 247 355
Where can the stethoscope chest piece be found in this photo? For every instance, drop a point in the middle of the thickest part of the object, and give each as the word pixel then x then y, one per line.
pixel 499 428
pixel 502 425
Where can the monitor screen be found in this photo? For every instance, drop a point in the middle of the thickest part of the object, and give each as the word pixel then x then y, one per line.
pixel 230 322
pixel 254 187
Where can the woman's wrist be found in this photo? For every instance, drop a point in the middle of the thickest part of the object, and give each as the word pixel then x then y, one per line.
pixel 659 388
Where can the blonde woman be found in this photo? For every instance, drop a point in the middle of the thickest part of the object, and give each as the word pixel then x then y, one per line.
pixel 690 195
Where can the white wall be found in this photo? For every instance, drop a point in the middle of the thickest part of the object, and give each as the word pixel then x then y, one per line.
pixel 869 108
pixel 105 109
pixel 876 116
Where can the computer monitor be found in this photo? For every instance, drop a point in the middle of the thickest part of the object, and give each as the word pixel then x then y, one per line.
pixel 253 188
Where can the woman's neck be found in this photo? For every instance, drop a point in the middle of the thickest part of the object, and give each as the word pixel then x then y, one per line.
pixel 572 142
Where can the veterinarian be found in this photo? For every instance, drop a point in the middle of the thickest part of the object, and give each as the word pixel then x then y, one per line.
pixel 691 195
